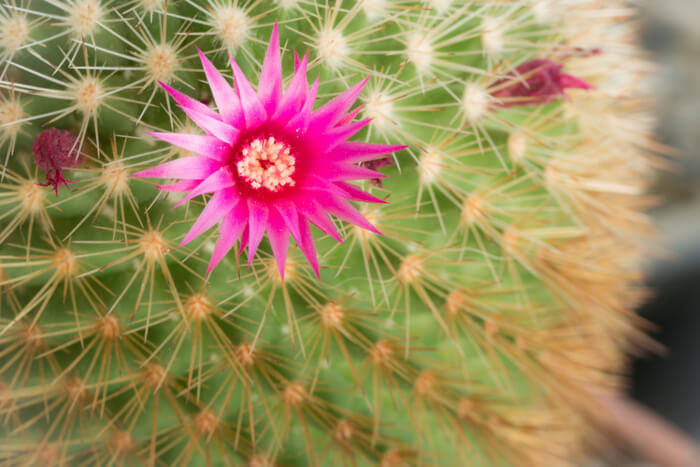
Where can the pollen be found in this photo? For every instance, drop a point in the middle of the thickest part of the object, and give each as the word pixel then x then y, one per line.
pixel 198 307
pixel 11 112
pixel 161 62
pixel 84 16
pixel 231 25
pixel 294 394
pixel 379 107
pixel 65 262
pixel 87 95
pixel 420 52
pixel 430 167
pixel 475 102
pixel 332 47
pixel 153 245
pixel 332 315
pixel 267 163
pixel 14 32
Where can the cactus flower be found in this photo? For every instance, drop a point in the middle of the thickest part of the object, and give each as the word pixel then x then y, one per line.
pixel 272 162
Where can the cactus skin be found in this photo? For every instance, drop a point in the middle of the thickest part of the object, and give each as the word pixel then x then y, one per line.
pixel 477 329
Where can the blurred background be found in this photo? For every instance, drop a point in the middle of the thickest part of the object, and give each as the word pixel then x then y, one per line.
pixel 670 384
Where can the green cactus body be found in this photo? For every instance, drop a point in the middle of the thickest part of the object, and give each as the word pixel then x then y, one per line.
pixel 477 329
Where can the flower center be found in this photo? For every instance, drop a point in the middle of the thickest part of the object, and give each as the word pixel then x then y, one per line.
pixel 267 163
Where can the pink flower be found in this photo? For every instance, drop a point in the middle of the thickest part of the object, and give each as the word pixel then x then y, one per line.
pixel 55 150
pixel 535 82
pixel 272 163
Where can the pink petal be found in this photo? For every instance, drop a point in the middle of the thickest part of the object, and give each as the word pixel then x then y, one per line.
pixel 257 223
pixel 187 168
pixel 187 102
pixel 232 225
pixel 279 239
pixel 295 95
pixel 350 117
pixel 222 178
pixel 316 214
pixel 355 194
pixel 225 97
pixel 217 207
pixel 306 244
pixel 183 186
pixel 344 210
pixel 208 146
pixel 270 84
pixel 288 212
pixel 338 135
pixel 345 172
pixel 572 82
pixel 332 112
pixel 301 121
pixel 360 152
pixel 214 126
pixel 253 110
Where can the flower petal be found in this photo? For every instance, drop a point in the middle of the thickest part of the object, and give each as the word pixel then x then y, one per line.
pixel 219 180
pixel 183 186
pixel 342 209
pixel 208 146
pixel 186 168
pixel 279 239
pixel 360 152
pixel 225 97
pixel 307 246
pixel 300 122
pixel 213 126
pixel 257 223
pixel 319 217
pixel 355 194
pixel 186 101
pixel 270 84
pixel 232 225
pixel 332 112
pixel 253 110
pixel 295 95
pixel 217 207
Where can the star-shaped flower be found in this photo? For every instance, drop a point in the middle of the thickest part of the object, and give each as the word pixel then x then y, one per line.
pixel 272 162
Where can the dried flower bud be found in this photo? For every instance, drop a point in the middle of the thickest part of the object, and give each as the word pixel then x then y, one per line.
pixel 56 150
pixel 535 82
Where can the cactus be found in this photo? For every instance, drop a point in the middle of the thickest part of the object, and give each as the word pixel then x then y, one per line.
pixel 468 287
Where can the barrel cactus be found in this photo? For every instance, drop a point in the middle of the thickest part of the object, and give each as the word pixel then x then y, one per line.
pixel 375 232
